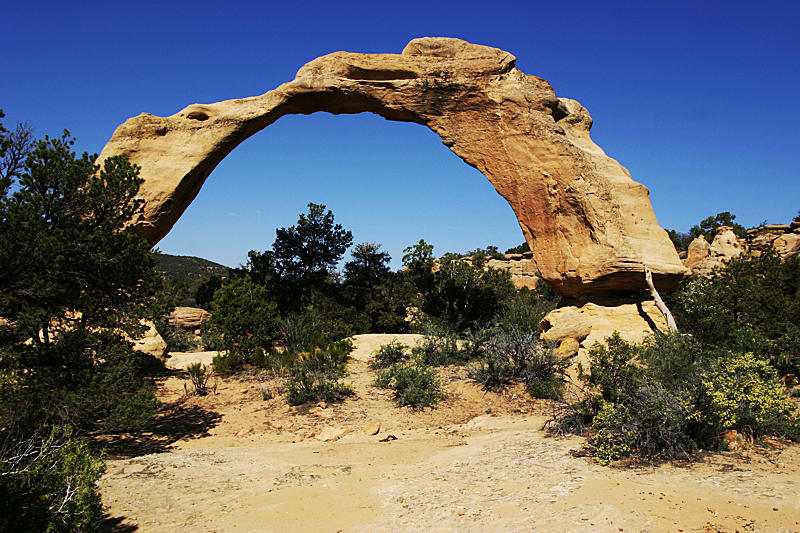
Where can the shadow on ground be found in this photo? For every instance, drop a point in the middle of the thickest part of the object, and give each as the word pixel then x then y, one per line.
pixel 116 524
pixel 174 421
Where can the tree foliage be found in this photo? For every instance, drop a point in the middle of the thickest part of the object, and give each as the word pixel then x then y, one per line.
pixel 454 290
pixel 74 279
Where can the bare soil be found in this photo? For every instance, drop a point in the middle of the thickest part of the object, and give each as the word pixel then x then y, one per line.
pixel 242 460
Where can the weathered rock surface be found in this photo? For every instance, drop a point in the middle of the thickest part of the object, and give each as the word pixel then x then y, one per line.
pixel 565 323
pixel 188 317
pixel 524 274
pixel 634 318
pixel 151 343
pixel 590 226
pixel 703 258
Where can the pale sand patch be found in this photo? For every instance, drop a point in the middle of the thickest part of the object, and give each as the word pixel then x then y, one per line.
pixel 451 469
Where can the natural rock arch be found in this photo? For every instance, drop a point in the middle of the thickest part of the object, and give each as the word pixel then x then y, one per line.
pixel 590 226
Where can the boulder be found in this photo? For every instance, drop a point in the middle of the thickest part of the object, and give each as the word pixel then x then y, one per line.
pixel 635 318
pixel 569 347
pixel 151 343
pixel 565 323
pixel 188 317
pixel 591 228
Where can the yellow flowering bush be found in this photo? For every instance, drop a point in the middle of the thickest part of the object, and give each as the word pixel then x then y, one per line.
pixel 741 392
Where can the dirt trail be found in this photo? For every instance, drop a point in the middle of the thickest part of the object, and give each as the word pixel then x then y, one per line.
pixel 478 463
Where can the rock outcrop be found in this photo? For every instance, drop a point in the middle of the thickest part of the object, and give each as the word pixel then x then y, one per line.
pixel 188 317
pixel 591 321
pixel 151 343
pixel 590 226
pixel 524 274
pixel 703 258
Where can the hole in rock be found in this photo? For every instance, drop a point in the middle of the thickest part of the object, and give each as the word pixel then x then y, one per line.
pixel 391 183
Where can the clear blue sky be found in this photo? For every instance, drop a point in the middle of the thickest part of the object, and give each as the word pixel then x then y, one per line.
pixel 697 99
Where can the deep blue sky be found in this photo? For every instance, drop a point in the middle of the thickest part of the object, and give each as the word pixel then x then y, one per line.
pixel 697 99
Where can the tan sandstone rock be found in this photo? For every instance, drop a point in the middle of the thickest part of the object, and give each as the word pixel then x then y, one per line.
pixel 188 317
pixel 565 323
pixel 635 318
pixel 522 267
pixel 151 343
pixel 590 226
pixel 568 347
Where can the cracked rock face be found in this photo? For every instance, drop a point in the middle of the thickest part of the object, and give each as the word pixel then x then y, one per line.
pixel 590 226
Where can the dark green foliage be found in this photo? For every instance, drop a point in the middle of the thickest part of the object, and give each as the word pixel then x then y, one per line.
pixel 797 218
pixel 683 397
pixel 242 319
pixel 308 383
pixel 521 249
pixel 73 280
pixel 440 346
pixel 525 309
pixel 414 384
pixel 314 375
pixel 614 369
pixel 480 256
pixel 373 290
pixel 204 293
pixel 708 227
pixel 390 354
pixel 48 483
pixel 515 355
pixel 301 260
pixel 456 292
pixel 189 269
pixel 753 304
pixel 681 241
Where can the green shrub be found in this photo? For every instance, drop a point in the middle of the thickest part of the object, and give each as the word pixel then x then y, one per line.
pixel 49 484
pixel 389 354
pixel 613 368
pixel 741 392
pixel 514 355
pixel 243 319
pixel 199 374
pixel 441 346
pixel 415 384
pixel 228 362
pixel 308 383
pixel 614 438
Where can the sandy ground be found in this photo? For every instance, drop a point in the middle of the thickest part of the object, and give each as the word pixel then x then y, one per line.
pixel 242 460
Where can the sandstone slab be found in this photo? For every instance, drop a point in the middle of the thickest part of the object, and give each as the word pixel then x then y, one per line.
pixel 635 318
pixel 188 317
pixel 590 226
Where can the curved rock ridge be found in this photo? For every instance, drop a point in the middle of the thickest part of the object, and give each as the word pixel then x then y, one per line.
pixel 590 226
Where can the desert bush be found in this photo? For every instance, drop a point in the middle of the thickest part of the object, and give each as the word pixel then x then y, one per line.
pixel 307 382
pixel 243 319
pixel 513 355
pixel 454 291
pixel 228 362
pixel 199 374
pixel 414 384
pixel 440 348
pixel 48 483
pixel 613 368
pixel 741 392
pixel 390 354
pixel 753 304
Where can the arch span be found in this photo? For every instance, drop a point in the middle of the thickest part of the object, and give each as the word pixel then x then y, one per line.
pixel 590 226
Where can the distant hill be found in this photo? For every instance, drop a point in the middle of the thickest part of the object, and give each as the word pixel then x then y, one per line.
pixel 189 268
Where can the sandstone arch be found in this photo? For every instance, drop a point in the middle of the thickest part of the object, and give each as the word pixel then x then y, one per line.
pixel 590 226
